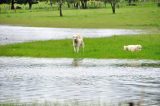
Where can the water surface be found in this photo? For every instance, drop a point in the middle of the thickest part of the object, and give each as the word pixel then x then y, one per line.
pixel 62 79
pixel 16 34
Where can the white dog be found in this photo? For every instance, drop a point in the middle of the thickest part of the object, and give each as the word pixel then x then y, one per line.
pixel 77 42
pixel 133 48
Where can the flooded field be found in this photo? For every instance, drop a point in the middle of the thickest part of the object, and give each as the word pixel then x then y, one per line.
pixel 64 80
pixel 16 34
pixel 28 80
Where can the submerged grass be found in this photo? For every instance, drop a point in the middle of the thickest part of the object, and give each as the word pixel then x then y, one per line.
pixel 107 47
pixel 70 103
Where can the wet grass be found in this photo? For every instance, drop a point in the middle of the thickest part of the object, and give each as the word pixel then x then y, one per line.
pixel 125 17
pixel 68 103
pixel 108 47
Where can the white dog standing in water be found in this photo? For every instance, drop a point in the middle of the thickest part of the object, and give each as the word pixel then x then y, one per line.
pixel 77 42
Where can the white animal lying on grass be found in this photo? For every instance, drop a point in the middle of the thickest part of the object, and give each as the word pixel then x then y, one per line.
pixel 77 42
pixel 133 48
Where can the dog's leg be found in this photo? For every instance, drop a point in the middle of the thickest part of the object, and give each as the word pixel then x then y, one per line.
pixel 77 49
pixel 83 46
pixel 74 47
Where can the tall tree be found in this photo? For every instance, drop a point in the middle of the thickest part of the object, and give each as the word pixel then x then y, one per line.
pixel 30 2
pixel 60 2
pixel 12 4
pixel 84 4
pixel 113 5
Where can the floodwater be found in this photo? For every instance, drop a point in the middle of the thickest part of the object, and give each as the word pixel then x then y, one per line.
pixel 62 79
pixel 16 34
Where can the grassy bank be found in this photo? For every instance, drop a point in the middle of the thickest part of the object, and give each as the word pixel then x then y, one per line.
pixel 109 47
pixel 125 17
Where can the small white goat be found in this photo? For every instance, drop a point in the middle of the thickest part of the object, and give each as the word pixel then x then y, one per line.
pixel 133 48
pixel 77 42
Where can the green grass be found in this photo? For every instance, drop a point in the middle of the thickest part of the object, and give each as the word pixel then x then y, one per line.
pixel 66 103
pixel 143 17
pixel 108 47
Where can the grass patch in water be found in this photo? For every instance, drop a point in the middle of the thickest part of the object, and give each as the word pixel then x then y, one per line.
pixel 68 103
pixel 107 47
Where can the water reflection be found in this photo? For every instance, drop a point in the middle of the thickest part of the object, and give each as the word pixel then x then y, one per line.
pixel 77 62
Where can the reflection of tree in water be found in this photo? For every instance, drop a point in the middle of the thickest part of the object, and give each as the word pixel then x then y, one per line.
pixel 76 62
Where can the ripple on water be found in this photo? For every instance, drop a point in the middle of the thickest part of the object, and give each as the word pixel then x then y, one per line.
pixel 107 80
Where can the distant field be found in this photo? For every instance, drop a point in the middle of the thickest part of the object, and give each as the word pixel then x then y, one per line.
pixel 108 47
pixel 138 17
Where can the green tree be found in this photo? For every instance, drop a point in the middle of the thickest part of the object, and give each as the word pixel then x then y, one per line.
pixel 113 5
pixel 12 4
pixel 76 3
pixel 8 2
pixel 84 4
pixel 60 3
pixel 30 2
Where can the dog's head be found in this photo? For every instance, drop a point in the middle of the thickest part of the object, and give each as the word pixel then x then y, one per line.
pixel 125 47
pixel 139 46
pixel 76 36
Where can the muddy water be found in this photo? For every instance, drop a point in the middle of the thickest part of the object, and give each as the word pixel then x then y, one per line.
pixel 62 79
pixel 15 34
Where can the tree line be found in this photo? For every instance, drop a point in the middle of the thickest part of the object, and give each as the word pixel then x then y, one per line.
pixel 79 4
